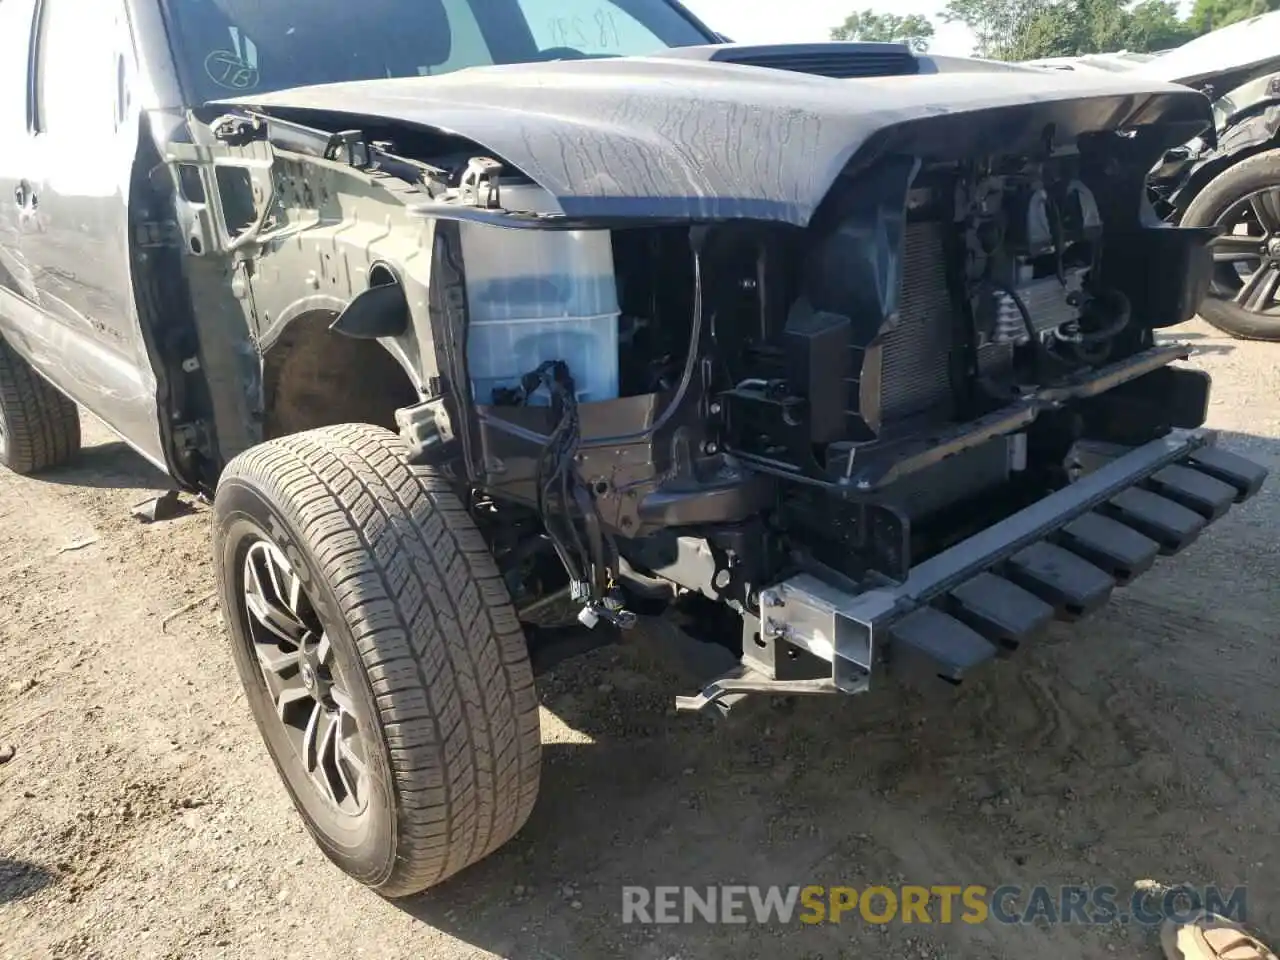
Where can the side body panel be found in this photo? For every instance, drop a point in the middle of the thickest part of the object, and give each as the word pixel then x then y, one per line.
pixel 16 281
pixel 83 333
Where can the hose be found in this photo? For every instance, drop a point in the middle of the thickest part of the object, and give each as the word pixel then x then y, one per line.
pixel 1120 319
pixel 1018 302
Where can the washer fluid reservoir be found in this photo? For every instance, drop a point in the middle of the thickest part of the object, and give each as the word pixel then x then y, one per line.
pixel 539 295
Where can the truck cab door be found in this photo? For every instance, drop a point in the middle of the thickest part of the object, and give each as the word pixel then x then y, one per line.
pixel 74 215
pixel 16 281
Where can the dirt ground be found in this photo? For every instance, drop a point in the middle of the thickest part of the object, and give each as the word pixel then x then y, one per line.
pixel 140 816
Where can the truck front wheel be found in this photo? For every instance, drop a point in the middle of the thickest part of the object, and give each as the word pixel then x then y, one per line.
pixel 381 656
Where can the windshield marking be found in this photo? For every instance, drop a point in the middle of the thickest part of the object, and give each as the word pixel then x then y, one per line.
pixel 236 68
pixel 572 31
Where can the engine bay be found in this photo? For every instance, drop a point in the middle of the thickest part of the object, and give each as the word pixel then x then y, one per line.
pixel 707 405
pixel 668 387
pixel 860 394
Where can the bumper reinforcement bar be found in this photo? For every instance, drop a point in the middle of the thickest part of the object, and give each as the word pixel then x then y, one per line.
pixel 1059 558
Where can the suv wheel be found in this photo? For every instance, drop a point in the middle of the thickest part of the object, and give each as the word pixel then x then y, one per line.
pixel 381 656
pixel 39 427
pixel 1244 299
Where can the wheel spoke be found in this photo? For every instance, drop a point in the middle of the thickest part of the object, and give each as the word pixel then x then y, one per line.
pixel 294 598
pixel 264 597
pixel 290 697
pixel 1234 248
pixel 1259 290
pixel 330 768
pixel 298 664
pixel 328 751
pixel 342 699
pixel 351 758
pixel 350 765
pixel 252 577
pixel 1266 209
pixel 279 668
pixel 344 778
pixel 280 577
pixel 274 619
pixel 311 738
pixel 274 660
pixel 344 763
pixel 319 755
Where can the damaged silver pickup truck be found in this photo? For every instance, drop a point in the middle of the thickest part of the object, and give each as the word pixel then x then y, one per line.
pixel 481 320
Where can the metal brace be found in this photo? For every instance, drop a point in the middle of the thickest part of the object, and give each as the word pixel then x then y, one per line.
pixel 724 693
pixel 349 147
pixel 426 428
pixel 479 184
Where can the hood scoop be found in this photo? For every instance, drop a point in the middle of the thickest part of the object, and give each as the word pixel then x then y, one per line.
pixel 841 60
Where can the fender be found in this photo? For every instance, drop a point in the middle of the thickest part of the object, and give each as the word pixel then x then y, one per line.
pixel 1248 120
pixel 340 233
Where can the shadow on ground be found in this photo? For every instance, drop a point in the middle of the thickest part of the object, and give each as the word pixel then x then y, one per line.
pixel 20 880
pixel 1060 765
pixel 112 465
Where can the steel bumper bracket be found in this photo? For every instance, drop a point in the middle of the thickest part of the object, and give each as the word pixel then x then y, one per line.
pixel 1060 557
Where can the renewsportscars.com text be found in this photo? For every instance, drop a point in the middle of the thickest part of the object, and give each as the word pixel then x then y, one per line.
pixel 937 904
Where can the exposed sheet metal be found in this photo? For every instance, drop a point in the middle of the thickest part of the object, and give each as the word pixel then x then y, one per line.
pixel 668 138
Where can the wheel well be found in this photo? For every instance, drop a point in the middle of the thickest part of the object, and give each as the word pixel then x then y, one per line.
pixel 1202 177
pixel 313 377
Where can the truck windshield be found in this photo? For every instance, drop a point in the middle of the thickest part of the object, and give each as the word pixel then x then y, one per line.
pixel 229 47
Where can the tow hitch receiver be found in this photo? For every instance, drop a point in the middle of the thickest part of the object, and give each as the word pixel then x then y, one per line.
pixel 1059 558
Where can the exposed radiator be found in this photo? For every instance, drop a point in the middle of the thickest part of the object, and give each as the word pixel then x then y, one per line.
pixel 916 372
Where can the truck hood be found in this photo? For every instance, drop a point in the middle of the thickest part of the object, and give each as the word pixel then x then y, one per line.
pixel 1235 53
pixel 670 138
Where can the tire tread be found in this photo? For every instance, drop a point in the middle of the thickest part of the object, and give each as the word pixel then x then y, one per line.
pixel 1235 182
pixel 444 653
pixel 42 427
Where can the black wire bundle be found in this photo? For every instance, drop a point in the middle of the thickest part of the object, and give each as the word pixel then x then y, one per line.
pixel 555 477
pixel 559 490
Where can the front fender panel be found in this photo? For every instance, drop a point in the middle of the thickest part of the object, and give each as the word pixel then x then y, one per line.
pixel 335 225
pixel 1242 139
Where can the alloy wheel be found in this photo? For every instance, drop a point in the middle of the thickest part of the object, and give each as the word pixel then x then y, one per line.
pixel 296 659
pixel 1247 255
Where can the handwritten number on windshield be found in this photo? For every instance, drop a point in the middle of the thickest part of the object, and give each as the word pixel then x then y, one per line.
pixel 235 68
pixel 596 33
pixel 226 70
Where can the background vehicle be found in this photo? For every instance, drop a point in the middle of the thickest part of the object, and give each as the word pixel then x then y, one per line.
pixel 1117 62
pixel 1230 178
pixel 719 334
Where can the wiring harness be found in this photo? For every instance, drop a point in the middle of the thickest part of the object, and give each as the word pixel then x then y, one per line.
pixel 589 556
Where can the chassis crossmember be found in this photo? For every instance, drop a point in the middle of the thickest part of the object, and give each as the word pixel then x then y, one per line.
pixel 1059 558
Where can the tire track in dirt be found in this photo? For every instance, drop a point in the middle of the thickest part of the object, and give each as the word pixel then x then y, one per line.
pixel 82 646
